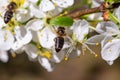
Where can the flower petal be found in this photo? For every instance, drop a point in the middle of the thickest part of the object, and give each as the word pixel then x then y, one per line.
pixel 3 56
pixel 31 51
pixel 111 50
pixel 36 11
pixel 81 29
pixel 35 24
pixel 107 28
pixel 46 38
pixel 46 5
pixel 45 63
pixel 6 40
pixel 64 3
pixel 95 39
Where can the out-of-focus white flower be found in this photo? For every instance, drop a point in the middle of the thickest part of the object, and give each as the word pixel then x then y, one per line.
pixel 46 64
pixel 6 42
pixel 80 29
pixel 107 28
pixel 3 56
pixel 110 49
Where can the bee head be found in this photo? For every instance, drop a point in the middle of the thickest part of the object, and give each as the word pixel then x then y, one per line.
pixel 61 31
pixel 12 5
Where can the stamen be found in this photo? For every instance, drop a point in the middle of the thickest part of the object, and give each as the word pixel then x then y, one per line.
pixel 110 41
pixel 97 44
pixel 65 12
pixel 91 51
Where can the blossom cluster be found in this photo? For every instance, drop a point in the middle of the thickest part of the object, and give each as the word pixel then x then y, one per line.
pixel 29 31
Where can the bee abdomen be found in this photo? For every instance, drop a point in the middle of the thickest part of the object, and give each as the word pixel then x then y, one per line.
pixel 59 42
pixel 8 16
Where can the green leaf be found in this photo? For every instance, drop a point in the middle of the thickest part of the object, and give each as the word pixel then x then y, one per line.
pixel 112 1
pixel 61 21
pixel 38 2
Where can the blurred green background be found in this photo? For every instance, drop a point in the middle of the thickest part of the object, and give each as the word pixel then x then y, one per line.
pixel 85 67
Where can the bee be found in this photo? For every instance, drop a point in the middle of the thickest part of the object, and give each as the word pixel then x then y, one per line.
pixel 59 40
pixel 9 13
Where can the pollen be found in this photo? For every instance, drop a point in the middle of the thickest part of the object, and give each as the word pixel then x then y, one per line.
pixel 66 58
pixel 65 12
pixel 61 15
pixel 13 55
pixel 110 41
pixel 96 55
pixel 97 44
pixel 38 45
pixel 85 35
pixel 111 32
pixel 55 4
pixel 47 54
pixel 18 2
pixel 6 37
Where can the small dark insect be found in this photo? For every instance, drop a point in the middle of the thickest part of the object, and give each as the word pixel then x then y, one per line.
pixel 59 40
pixel 9 13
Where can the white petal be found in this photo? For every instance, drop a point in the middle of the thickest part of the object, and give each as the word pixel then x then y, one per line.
pixel 35 24
pixel 95 39
pixel 107 28
pixel 2 23
pixel 33 1
pixel 46 38
pixel 46 64
pixel 111 50
pixel 36 11
pixel 23 15
pixel 117 13
pixel 81 28
pixel 3 56
pixel 17 45
pixel 46 5
pixel 23 35
pixel 64 3
pixel 31 51
pixel 110 62
pixel 6 40
pixel 106 40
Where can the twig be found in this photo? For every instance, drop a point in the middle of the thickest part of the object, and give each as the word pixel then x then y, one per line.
pixel 101 8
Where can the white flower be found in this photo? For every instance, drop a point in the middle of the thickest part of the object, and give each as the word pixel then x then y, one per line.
pixel 80 29
pixel 110 49
pixel 3 56
pixel 35 24
pixel 117 13
pixel 64 3
pixel 23 36
pixel 95 39
pixel 35 11
pixel 31 51
pixel 46 5
pixel 107 28
pixel 46 64
pixel 46 38
pixel 23 15
pixel 6 40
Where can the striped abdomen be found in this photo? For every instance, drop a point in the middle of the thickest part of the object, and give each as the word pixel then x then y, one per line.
pixel 59 42
pixel 8 16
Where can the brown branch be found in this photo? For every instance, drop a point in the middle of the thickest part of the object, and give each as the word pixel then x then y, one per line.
pixel 101 8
